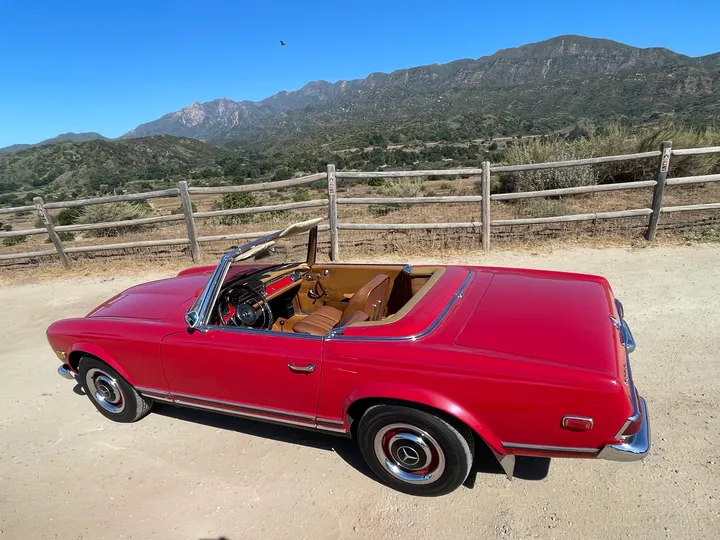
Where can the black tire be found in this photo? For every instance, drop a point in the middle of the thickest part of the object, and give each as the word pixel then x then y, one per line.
pixel 413 451
pixel 112 395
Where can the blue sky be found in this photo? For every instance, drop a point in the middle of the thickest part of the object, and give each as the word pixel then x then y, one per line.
pixel 109 65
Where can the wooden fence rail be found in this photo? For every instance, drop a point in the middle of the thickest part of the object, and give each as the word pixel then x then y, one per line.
pixel 331 176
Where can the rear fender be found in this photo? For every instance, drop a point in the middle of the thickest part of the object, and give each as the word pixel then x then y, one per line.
pixel 102 354
pixel 429 398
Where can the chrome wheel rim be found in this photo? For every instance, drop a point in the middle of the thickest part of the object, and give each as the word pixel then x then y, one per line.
pixel 409 453
pixel 105 390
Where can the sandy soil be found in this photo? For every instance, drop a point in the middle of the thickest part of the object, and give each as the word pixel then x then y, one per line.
pixel 66 472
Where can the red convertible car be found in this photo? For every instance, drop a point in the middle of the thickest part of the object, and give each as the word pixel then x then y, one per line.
pixel 419 364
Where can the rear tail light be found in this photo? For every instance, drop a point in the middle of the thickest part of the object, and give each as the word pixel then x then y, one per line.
pixel 633 423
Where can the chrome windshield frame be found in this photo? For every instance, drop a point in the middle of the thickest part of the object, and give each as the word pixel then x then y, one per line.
pixel 198 316
pixel 199 313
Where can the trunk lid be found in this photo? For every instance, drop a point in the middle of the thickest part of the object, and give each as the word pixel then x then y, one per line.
pixel 549 316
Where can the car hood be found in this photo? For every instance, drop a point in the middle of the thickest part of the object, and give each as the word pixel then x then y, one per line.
pixel 548 316
pixel 154 300
pixel 157 300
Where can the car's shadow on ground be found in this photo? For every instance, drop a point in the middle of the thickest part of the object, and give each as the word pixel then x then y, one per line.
pixel 485 462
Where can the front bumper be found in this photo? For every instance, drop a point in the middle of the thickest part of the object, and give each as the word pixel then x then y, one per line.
pixel 633 449
pixel 65 372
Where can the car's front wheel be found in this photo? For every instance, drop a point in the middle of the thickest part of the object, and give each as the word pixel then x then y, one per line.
pixel 112 395
pixel 414 451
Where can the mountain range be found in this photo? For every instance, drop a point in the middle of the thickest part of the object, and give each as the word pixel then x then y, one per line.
pixel 537 87
pixel 73 137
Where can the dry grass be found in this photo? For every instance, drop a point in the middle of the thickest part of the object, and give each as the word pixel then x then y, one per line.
pixel 674 228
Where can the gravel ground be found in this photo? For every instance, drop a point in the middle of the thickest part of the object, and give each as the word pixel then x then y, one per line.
pixel 66 472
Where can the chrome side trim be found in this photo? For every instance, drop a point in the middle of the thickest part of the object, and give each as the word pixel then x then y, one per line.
pixel 337 334
pixel 159 398
pixel 629 342
pixel 142 389
pixel 242 414
pixel 163 395
pixel 245 406
pixel 332 429
pixel 635 448
pixel 543 448
pixel 329 421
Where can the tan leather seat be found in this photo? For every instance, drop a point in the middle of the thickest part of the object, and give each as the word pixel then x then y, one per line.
pixel 366 304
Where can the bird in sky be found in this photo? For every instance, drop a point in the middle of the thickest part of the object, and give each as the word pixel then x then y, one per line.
pixel 282 43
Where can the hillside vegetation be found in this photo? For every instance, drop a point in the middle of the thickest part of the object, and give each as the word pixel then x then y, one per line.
pixel 70 170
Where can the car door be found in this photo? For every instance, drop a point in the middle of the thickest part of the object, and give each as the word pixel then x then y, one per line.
pixel 255 373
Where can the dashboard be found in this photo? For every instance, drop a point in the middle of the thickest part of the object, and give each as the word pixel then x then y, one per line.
pixel 255 300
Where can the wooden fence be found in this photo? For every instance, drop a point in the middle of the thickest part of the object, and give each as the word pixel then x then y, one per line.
pixel 331 177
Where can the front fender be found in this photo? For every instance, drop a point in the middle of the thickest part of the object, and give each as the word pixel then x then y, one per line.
pixel 429 398
pixel 103 355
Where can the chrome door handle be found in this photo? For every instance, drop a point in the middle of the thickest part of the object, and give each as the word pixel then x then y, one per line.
pixel 302 369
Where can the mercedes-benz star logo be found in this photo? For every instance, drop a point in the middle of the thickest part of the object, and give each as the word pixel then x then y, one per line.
pixel 408 455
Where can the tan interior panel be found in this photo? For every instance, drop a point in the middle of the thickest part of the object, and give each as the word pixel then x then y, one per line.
pixel 341 282
pixel 434 273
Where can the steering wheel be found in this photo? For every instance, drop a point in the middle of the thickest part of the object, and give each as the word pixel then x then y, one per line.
pixel 252 312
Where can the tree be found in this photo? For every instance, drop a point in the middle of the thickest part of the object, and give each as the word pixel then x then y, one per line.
pixel 283 173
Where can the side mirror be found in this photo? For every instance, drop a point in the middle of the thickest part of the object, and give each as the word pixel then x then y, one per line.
pixel 192 318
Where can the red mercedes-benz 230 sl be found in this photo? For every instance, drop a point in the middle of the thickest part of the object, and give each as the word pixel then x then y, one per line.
pixel 419 364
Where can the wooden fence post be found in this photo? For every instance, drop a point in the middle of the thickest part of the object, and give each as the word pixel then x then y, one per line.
pixel 332 211
pixel 189 220
pixel 663 166
pixel 485 206
pixel 54 238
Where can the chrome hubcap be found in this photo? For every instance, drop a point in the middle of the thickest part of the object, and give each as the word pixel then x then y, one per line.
pixel 409 453
pixel 105 390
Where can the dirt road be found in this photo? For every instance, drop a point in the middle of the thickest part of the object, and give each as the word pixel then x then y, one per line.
pixel 66 472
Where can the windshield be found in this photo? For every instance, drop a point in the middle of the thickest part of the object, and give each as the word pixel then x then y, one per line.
pixel 260 251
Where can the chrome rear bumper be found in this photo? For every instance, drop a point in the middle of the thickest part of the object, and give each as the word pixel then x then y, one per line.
pixel 65 372
pixel 633 449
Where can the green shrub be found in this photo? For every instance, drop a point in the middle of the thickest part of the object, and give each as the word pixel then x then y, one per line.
pixel 376 182
pixel 121 211
pixel 64 236
pixel 711 235
pixel 301 195
pixel 232 201
pixel 7 227
pixel 379 210
pixel 537 151
pixel 14 240
pixel 179 209
pixel 617 140
pixel 68 216
pixel 541 208
pixel 402 187
pixel 394 188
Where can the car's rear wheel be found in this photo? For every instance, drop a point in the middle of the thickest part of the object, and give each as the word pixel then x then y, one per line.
pixel 413 451
pixel 112 395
